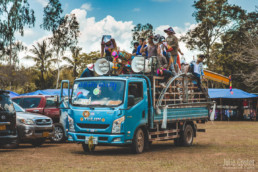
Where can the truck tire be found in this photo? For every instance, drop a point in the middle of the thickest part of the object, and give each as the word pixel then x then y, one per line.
pixel 188 135
pixel 38 142
pixel 59 134
pixel 138 141
pixel 86 148
pixel 178 142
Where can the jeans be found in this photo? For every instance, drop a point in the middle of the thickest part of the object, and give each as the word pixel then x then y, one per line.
pixel 198 78
pixel 167 74
pixel 87 73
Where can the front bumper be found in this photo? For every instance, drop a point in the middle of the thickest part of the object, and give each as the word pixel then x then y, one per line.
pixel 8 139
pixel 27 132
pixel 103 139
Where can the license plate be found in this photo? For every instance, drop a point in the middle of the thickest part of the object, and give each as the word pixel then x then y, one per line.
pixel 94 139
pixel 45 134
pixel 2 127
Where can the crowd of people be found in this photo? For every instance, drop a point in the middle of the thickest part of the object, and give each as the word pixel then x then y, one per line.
pixel 166 49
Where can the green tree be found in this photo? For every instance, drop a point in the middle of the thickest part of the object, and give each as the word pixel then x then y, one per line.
pixel 237 53
pixel 42 56
pixel 52 15
pixel 142 31
pixel 65 36
pixel 75 61
pixel 214 18
pixel 15 14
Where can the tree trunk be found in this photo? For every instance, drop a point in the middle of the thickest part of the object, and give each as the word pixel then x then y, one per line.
pixel 42 80
pixel 58 73
pixel 10 42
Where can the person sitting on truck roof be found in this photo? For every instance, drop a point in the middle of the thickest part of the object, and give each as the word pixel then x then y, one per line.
pixel 141 42
pixel 151 48
pixel 88 72
pixel 197 70
pixel 108 44
pixel 135 46
pixel 163 63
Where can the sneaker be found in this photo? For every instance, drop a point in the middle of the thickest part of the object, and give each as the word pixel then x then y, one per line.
pixel 162 85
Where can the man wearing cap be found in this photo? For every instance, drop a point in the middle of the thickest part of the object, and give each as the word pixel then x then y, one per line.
pixel 88 72
pixel 172 42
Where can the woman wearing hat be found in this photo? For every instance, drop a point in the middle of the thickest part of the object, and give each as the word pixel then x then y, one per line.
pixel 108 44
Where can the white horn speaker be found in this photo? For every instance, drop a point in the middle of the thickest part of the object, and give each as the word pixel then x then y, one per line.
pixel 102 66
pixel 138 64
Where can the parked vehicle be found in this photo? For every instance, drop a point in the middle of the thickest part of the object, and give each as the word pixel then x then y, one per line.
pixel 32 128
pixel 134 110
pixel 8 133
pixel 45 105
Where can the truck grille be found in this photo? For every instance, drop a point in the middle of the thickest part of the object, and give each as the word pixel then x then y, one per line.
pixel 100 138
pixel 95 126
pixel 43 121
pixel 41 131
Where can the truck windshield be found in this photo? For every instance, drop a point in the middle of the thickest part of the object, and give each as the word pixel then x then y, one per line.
pixel 98 93
pixel 6 103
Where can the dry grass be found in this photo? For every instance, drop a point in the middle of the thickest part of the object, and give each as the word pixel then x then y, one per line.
pixel 230 141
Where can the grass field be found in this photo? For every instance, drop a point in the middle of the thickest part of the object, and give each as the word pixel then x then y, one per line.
pixel 226 146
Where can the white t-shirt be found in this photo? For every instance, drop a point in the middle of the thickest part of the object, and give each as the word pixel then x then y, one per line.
pixel 196 68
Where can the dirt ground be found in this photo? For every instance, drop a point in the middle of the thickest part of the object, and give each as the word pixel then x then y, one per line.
pixel 226 146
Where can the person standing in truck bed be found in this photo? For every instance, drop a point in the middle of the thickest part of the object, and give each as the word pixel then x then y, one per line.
pixel 172 42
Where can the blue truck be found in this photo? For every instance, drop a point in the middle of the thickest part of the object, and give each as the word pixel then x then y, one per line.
pixel 133 110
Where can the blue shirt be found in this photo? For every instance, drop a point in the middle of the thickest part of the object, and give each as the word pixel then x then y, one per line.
pixel 139 49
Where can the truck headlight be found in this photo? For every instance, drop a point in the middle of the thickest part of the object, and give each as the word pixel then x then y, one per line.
pixel 71 124
pixel 27 121
pixel 117 125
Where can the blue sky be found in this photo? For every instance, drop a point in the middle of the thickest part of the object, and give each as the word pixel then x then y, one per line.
pixel 117 17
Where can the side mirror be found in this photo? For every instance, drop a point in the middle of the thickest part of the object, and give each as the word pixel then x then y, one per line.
pixel 131 101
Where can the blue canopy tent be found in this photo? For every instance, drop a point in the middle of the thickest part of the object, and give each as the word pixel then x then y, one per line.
pixel 231 106
pixel 225 94
pixel 13 94
pixel 50 92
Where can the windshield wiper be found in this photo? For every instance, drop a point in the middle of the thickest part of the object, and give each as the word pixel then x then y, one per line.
pixel 99 105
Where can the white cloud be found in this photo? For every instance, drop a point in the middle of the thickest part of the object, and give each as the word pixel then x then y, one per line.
pixel 42 2
pixel 92 31
pixel 136 9
pixel 87 6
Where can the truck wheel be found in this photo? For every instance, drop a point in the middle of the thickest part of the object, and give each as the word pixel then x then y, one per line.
pixel 138 141
pixel 188 135
pixel 178 142
pixel 59 135
pixel 86 148
pixel 38 142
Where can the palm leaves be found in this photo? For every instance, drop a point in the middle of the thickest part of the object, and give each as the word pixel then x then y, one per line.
pixel 43 58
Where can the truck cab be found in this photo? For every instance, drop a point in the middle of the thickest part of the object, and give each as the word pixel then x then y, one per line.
pixel 8 134
pixel 107 108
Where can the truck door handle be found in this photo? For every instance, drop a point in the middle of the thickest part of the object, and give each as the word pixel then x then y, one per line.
pixel 143 114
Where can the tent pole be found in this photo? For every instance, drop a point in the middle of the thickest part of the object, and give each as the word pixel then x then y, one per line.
pixel 221 109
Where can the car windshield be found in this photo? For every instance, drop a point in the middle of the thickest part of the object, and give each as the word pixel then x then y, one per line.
pixel 30 102
pixel 98 93
pixel 18 108
pixel 6 103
